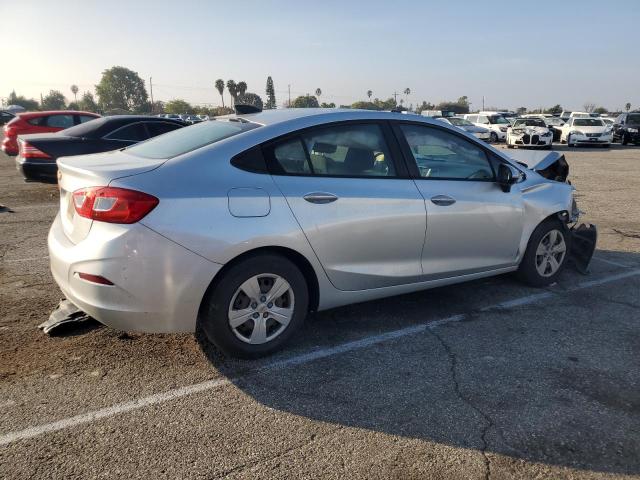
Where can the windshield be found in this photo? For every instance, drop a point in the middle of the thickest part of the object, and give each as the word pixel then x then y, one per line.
pixel 554 121
pixel 633 119
pixel 188 139
pixel 86 129
pixel 587 122
pixel 498 119
pixel 460 122
pixel 529 122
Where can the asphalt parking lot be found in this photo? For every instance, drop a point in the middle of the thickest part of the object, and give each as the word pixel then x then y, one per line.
pixel 489 379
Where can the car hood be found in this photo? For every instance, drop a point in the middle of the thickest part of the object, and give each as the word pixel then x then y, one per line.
pixel 551 165
pixel 529 130
pixel 589 129
pixel 473 129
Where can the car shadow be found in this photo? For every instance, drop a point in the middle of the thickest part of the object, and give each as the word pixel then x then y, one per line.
pixel 555 383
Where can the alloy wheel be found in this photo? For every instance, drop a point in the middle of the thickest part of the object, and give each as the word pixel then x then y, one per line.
pixel 550 253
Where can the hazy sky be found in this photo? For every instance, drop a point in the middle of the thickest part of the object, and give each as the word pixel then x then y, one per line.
pixel 535 53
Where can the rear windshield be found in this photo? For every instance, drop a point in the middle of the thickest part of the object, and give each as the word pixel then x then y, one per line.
pixel 85 129
pixel 633 119
pixel 587 122
pixel 188 139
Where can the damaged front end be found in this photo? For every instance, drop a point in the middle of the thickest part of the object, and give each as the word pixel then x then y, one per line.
pixel 582 238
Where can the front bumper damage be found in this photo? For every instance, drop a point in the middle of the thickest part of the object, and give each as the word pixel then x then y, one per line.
pixel 583 238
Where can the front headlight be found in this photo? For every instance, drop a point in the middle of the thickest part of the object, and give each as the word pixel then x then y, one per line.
pixel 548 134
pixel 576 132
pixel 632 130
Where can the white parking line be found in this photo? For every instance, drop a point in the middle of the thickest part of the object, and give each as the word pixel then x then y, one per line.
pixel 611 262
pixel 169 395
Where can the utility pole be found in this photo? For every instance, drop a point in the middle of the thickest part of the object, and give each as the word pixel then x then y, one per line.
pixel 395 97
pixel 483 103
pixel 151 91
pixel 289 88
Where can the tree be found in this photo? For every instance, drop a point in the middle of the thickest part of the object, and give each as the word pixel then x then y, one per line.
pixel 27 103
pixel 220 88
pixel 318 93
pixel 271 94
pixel 407 92
pixel 54 101
pixel 232 88
pixel 425 106
pixel 600 111
pixel 123 89
pixel 627 107
pixel 74 90
pixel 362 105
pixel 589 107
pixel 242 88
pixel 556 109
pixel 369 93
pixel 521 110
pixel 460 106
pixel 249 99
pixel 328 105
pixel 305 101
pixel 178 106
pixel 87 103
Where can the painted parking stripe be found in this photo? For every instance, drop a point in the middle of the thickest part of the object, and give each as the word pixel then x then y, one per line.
pixel 176 393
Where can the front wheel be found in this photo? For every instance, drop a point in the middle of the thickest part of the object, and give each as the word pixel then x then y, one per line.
pixel 569 144
pixel 255 307
pixel 623 139
pixel 546 254
pixel 493 138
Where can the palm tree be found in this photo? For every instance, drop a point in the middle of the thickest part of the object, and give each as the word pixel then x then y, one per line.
pixel 242 87
pixel 318 93
pixel 220 88
pixel 232 88
pixel 407 92
pixel 74 90
pixel 627 107
pixel 369 93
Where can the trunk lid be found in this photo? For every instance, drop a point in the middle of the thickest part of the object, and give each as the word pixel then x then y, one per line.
pixel 96 170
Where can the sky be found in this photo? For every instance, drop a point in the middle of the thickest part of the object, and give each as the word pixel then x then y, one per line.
pixel 533 54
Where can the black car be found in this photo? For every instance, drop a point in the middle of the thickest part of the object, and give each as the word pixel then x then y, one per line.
pixel 6 117
pixel 36 159
pixel 626 128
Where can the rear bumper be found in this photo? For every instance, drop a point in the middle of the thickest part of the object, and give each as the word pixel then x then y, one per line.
pixel 10 146
pixel 37 171
pixel 158 285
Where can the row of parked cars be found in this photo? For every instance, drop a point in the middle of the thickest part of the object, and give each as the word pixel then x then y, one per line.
pixel 541 130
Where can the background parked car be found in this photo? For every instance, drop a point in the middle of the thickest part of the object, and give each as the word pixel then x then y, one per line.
pixel 6 117
pixel 626 128
pixel 496 123
pixel 38 152
pixel 586 131
pixel 41 122
pixel 529 132
pixel 478 132
pixel 555 125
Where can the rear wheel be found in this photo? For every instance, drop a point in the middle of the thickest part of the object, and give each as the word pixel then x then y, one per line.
pixel 546 254
pixel 569 144
pixel 255 307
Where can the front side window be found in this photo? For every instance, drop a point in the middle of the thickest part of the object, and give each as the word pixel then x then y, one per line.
pixel 60 121
pixel 443 155
pixel 336 151
pixel 633 119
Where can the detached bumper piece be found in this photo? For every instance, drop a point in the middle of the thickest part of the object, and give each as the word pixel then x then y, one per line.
pixel 583 245
pixel 65 313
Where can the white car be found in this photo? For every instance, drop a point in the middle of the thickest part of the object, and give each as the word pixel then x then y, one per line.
pixel 586 131
pixel 529 132
pixel 497 124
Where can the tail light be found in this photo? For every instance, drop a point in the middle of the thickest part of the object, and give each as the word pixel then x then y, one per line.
pixel 29 151
pixel 113 205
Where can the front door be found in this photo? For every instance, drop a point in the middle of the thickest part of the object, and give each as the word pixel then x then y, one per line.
pixel 365 222
pixel 472 225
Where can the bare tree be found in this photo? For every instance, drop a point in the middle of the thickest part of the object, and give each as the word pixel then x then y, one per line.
pixel 589 107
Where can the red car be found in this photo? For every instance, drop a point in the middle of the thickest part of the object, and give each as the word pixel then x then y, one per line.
pixel 40 122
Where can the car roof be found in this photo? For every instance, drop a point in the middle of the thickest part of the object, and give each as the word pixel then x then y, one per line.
pixel 55 112
pixel 103 125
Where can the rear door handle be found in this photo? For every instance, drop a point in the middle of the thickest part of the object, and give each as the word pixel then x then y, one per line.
pixel 443 200
pixel 320 197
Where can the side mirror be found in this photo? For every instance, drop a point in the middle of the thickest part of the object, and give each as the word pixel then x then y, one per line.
pixel 505 177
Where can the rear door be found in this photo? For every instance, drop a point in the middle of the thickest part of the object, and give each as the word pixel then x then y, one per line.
pixel 472 225
pixel 350 193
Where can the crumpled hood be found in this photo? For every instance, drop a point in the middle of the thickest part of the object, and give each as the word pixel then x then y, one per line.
pixel 549 164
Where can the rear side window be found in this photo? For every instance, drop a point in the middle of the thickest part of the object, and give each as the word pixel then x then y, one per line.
pixel 187 139
pixel 134 133
pixel 158 128
pixel 60 121
pixel 357 150
pixel 442 155
pixel 85 118
pixel 38 121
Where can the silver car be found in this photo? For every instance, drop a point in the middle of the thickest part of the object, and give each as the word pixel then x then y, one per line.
pixel 246 223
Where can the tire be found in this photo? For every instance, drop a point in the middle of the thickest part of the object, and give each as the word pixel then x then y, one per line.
pixel 259 274
pixel 537 269
pixel 569 142
pixel 493 137
pixel 624 140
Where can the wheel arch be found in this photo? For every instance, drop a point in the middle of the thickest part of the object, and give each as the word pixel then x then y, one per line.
pixel 297 258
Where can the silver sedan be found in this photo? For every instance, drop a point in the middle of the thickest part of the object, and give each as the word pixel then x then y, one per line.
pixel 246 223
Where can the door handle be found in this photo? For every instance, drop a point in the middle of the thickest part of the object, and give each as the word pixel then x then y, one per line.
pixel 320 197
pixel 443 200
